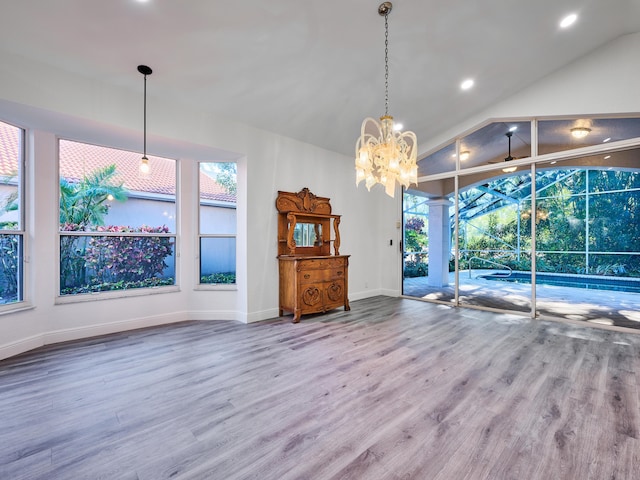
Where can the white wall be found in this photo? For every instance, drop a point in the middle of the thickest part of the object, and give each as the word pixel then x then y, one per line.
pixel 87 110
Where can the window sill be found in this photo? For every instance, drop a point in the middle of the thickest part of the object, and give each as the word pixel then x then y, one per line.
pixel 228 287
pixel 15 307
pixel 137 292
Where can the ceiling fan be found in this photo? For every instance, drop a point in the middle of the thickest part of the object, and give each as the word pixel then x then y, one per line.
pixel 508 158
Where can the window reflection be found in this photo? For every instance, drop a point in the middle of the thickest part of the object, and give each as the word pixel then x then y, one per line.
pixel 444 160
pixel 568 134
pixel 490 144
pixel 308 234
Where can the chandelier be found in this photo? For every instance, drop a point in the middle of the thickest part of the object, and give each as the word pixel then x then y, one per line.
pixel 385 155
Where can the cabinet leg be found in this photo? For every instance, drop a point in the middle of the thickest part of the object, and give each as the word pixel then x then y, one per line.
pixel 296 317
pixel 347 307
pixel 280 312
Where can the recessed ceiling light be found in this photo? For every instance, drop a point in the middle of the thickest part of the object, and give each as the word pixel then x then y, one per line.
pixel 568 20
pixel 606 140
pixel 467 84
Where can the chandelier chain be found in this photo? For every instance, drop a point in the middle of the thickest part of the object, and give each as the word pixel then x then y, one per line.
pixel 386 64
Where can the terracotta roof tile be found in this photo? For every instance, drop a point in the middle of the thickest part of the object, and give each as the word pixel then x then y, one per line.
pixel 78 159
pixel 9 141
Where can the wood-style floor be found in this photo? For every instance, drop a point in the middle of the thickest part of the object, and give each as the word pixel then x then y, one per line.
pixel 394 389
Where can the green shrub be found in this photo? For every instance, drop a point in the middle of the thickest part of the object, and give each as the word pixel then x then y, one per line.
pixel 415 269
pixel 120 285
pixel 226 278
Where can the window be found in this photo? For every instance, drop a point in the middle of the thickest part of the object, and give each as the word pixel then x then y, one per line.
pixel 117 226
pixel 11 215
pixel 556 234
pixel 217 231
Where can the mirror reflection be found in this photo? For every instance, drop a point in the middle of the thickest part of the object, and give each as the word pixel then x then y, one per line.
pixel 308 234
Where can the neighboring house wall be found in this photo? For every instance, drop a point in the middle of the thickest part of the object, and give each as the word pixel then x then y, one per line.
pixel 224 221
pixel 136 212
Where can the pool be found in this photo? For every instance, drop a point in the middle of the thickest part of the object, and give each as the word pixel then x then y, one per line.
pixel 594 282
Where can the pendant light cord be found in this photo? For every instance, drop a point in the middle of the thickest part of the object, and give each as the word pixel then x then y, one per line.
pixel 144 142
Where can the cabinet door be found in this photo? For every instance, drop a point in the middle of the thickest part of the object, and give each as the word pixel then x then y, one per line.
pixel 311 298
pixel 334 293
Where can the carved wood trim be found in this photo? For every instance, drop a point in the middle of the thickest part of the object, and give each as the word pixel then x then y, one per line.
pixel 302 202
pixel 336 241
pixel 291 242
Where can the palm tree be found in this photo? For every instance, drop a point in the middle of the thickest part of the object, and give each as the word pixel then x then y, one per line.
pixel 83 206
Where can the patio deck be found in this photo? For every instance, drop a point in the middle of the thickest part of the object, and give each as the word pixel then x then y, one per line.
pixel 603 307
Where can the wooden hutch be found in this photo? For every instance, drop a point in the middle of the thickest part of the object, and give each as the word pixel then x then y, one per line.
pixel 312 280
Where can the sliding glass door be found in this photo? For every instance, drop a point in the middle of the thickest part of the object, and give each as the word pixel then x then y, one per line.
pixel 588 242
pixel 494 241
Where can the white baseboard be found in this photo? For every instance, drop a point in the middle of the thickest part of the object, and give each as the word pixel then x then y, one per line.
pixel 390 292
pixel 21 346
pixel 206 315
pixel 67 334
pixel 262 315
pixel 361 295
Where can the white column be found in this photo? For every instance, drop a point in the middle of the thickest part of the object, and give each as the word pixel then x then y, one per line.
pixel 439 242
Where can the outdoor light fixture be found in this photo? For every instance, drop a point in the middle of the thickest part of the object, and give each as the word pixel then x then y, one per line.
pixel 580 132
pixel 145 168
pixel 385 155
pixel 464 155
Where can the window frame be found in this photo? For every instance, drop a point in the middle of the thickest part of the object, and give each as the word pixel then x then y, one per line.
pixel 110 294
pixel 200 236
pixel 24 301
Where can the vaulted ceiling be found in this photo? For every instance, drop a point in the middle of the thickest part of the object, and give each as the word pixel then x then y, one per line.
pixel 314 70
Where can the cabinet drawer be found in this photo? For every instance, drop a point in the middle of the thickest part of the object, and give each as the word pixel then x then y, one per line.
pixel 320 264
pixel 314 276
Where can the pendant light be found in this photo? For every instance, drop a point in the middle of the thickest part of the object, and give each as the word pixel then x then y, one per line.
pixel 385 155
pixel 145 168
